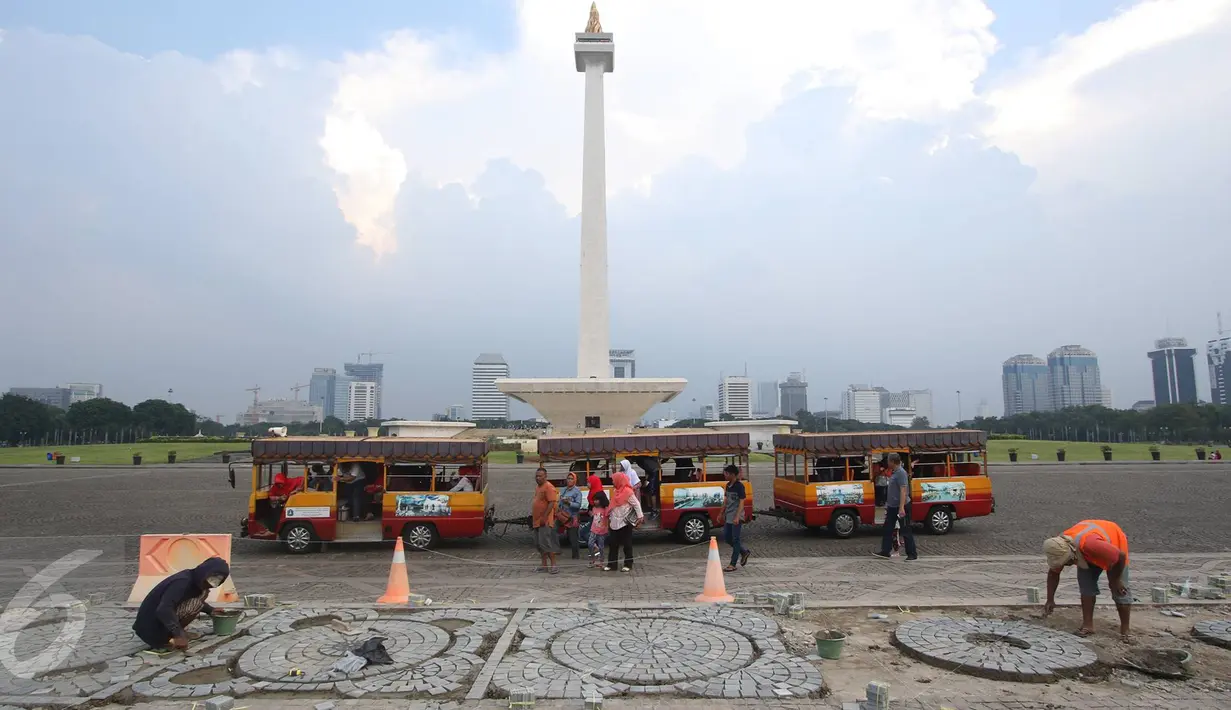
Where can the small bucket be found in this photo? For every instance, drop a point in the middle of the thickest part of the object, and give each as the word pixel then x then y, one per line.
pixel 829 644
pixel 225 621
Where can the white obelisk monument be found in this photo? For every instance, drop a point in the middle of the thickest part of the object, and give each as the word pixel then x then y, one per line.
pixel 594 399
pixel 594 51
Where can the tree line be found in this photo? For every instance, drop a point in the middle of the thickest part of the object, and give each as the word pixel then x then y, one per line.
pixel 1171 423
pixel 24 421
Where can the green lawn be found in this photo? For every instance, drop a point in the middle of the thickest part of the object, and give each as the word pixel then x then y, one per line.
pixel 511 457
pixel 998 450
pixel 96 454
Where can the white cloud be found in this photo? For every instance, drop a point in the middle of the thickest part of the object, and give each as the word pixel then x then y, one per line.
pixel 1079 97
pixel 689 80
pixel 746 200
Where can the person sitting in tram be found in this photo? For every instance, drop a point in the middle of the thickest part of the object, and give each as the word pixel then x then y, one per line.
pixel 467 477
pixel 283 485
pixel 319 479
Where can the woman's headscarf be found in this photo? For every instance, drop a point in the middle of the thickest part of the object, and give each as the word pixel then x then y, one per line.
pixel 629 472
pixel 623 490
pixel 596 487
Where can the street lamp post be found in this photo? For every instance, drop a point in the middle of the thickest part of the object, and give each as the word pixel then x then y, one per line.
pixel 826 413
pixel 959 407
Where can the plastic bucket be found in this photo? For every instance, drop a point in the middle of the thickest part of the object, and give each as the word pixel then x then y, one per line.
pixel 225 621
pixel 829 644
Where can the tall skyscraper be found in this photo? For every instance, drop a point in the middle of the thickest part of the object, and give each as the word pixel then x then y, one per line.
pixel 1073 377
pixel 487 402
pixel 341 397
pixel 735 396
pixel 1217 353
pixel 623 363
pixel 865 404
pixel 1175 376
pixel 1026 388
pixel 321 388
pixel 373 372
pixel 793 395
pixel 767 400
pixel 363 401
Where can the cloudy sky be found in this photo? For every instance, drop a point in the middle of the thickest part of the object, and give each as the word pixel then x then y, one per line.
pixel 208 196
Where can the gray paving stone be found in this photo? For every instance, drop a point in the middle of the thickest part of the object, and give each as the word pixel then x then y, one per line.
pixel 1000 650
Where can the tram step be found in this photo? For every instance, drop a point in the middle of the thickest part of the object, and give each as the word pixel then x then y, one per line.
pixel 355 532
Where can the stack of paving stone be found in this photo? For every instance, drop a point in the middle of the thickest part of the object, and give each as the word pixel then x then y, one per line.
pixel 877 698
pixel 785 604
pixel 260 601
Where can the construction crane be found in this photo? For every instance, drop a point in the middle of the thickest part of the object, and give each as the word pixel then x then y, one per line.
pixel 370 356
pixel 295 388
pixel 256 393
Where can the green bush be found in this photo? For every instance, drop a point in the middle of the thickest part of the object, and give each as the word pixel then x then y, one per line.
pixel 1002 437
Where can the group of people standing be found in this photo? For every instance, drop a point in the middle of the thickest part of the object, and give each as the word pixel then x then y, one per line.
pixel 614 518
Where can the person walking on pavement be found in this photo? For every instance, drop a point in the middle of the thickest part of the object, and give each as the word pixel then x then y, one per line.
pixel 897 509
pixel 732 517
pixel 543 518
pixel 1094 546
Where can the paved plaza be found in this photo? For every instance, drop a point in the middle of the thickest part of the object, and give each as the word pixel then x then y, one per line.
pixel 956 630
pixel 669 657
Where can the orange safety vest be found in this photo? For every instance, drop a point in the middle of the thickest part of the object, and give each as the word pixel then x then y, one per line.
pixel 1105 528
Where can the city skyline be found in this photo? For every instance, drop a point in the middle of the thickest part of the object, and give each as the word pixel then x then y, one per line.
pixel 390 153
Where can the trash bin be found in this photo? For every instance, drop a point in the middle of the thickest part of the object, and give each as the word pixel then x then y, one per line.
pixel 59 459
pixel 521 458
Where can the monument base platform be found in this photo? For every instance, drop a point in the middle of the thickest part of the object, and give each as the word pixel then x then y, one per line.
pixel 580 405
pixel 426 430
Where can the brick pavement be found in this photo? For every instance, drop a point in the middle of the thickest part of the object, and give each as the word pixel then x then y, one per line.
pixel 663 655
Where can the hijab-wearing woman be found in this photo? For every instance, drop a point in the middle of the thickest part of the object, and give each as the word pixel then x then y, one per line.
pixel 175 601
pixel 633 479
pixel 624 515
pixel 595 483
pixel 570 502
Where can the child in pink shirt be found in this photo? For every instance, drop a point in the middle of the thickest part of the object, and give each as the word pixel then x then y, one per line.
pixel 598 529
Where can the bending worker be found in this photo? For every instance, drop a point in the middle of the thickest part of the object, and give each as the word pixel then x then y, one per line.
pixel 176 601
pixel 1094 546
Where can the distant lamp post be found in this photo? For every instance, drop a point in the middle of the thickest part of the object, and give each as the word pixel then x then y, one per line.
pixel 826 413
pixel 959 407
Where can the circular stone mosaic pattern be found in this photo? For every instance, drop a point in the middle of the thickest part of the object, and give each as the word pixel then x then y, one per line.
pixel 1217 633
pixel 314 651
pixel 1000 650
pixel 651 651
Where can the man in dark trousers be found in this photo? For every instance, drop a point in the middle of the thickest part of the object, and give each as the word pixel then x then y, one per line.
pixel 897 508
pixel 176 601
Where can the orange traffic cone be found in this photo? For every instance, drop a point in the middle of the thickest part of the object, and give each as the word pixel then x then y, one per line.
pixel 715 589
pixel 397 591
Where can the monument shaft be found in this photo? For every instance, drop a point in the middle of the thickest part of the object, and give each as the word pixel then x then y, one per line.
pixel 593 327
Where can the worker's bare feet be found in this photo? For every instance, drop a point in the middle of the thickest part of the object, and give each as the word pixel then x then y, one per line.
pixel 1127 639
pixel 1083 632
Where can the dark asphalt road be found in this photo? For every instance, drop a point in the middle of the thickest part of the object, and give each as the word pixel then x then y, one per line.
pixel 47 512
pixel 1164 508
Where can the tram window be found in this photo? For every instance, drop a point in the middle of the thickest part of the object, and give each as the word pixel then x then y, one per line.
pixel 928 465
pixel 409 478
pixel 320 476
pixel 826 469
pixel 265 477
pixel 859 469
